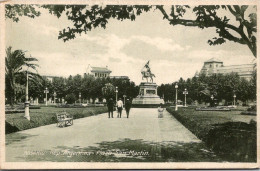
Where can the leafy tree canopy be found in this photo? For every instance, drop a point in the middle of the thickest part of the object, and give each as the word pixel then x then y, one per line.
pixel 15 11
pixel 16 66
pixel 85 18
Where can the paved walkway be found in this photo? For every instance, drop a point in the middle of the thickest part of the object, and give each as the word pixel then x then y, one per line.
pixel 143 125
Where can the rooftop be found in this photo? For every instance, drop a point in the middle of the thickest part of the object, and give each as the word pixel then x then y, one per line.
pixel 213 60
pixel 99 69
pixel 241 66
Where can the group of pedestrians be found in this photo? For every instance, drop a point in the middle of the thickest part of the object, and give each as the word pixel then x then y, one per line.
pixel 119 105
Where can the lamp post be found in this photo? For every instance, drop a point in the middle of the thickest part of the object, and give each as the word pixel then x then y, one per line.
pixel 185 93
pixel 116 93
pixel 212 98
pixel 27 103
pixel 234 99
pixel 54 94
pixel 80 97
pixel 176 105
pixel 46 91
pixel 124 98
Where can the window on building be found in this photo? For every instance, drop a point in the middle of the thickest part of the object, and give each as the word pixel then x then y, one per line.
pixel 95 74
pixel 210 65
pixel 217 65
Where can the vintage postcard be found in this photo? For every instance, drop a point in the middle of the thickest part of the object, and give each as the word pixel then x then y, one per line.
pixel 129 84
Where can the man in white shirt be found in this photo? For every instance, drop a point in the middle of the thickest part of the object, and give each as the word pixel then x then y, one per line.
pixel 119 105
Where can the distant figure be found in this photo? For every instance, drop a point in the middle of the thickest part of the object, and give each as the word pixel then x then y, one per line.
pixel 110 106
pixel 128 105
pixel 119 107
pixel 160 111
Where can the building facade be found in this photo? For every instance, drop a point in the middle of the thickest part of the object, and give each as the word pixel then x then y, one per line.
pixel 50 78
pixel 120 77
pixel 215 66
pixel 98 72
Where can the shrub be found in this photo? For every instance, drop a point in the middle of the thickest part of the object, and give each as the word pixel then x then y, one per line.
pixel 70 98
pixel 252 108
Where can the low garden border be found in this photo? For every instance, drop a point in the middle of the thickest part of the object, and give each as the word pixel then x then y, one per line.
pixel 232 141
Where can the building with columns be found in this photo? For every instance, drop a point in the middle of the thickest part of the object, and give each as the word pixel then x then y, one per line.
pixel 216 66
pixel 98 72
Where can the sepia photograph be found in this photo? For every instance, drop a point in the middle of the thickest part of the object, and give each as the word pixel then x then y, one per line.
pixel 129 85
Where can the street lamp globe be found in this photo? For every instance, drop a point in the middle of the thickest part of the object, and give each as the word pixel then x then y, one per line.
pixel 176 86
pixel 185 92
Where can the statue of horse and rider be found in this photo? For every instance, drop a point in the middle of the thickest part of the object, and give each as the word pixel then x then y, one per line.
pixel 146 72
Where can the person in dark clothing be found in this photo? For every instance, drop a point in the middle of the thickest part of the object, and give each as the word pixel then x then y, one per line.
pixel 128 105
pixel 110 106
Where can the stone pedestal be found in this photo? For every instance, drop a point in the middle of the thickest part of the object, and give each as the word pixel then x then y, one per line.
pixel 148 94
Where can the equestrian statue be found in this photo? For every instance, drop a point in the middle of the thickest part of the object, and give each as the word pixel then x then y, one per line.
pixel 146 72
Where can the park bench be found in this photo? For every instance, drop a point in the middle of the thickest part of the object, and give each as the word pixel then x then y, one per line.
pixel 64 119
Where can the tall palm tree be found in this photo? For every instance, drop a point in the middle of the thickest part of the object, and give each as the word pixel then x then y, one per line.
pixel 16 66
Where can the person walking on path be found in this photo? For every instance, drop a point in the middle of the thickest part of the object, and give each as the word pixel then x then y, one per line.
pixel 128 105
pixel 119 107
pixel 110 106
pixel 160 111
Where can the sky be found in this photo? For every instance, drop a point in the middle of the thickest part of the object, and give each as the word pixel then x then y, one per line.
pixel 124 46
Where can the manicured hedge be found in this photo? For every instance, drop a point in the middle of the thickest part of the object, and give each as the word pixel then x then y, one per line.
pixel 148 105
pixel 14 111
pixel 233 141
pixel 248 113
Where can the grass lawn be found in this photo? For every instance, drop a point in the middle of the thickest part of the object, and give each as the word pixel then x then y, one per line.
pixel 46 116
pixel 228 133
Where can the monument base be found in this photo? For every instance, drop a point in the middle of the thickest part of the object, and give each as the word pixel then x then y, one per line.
pixel 148 100
pixel 148 94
